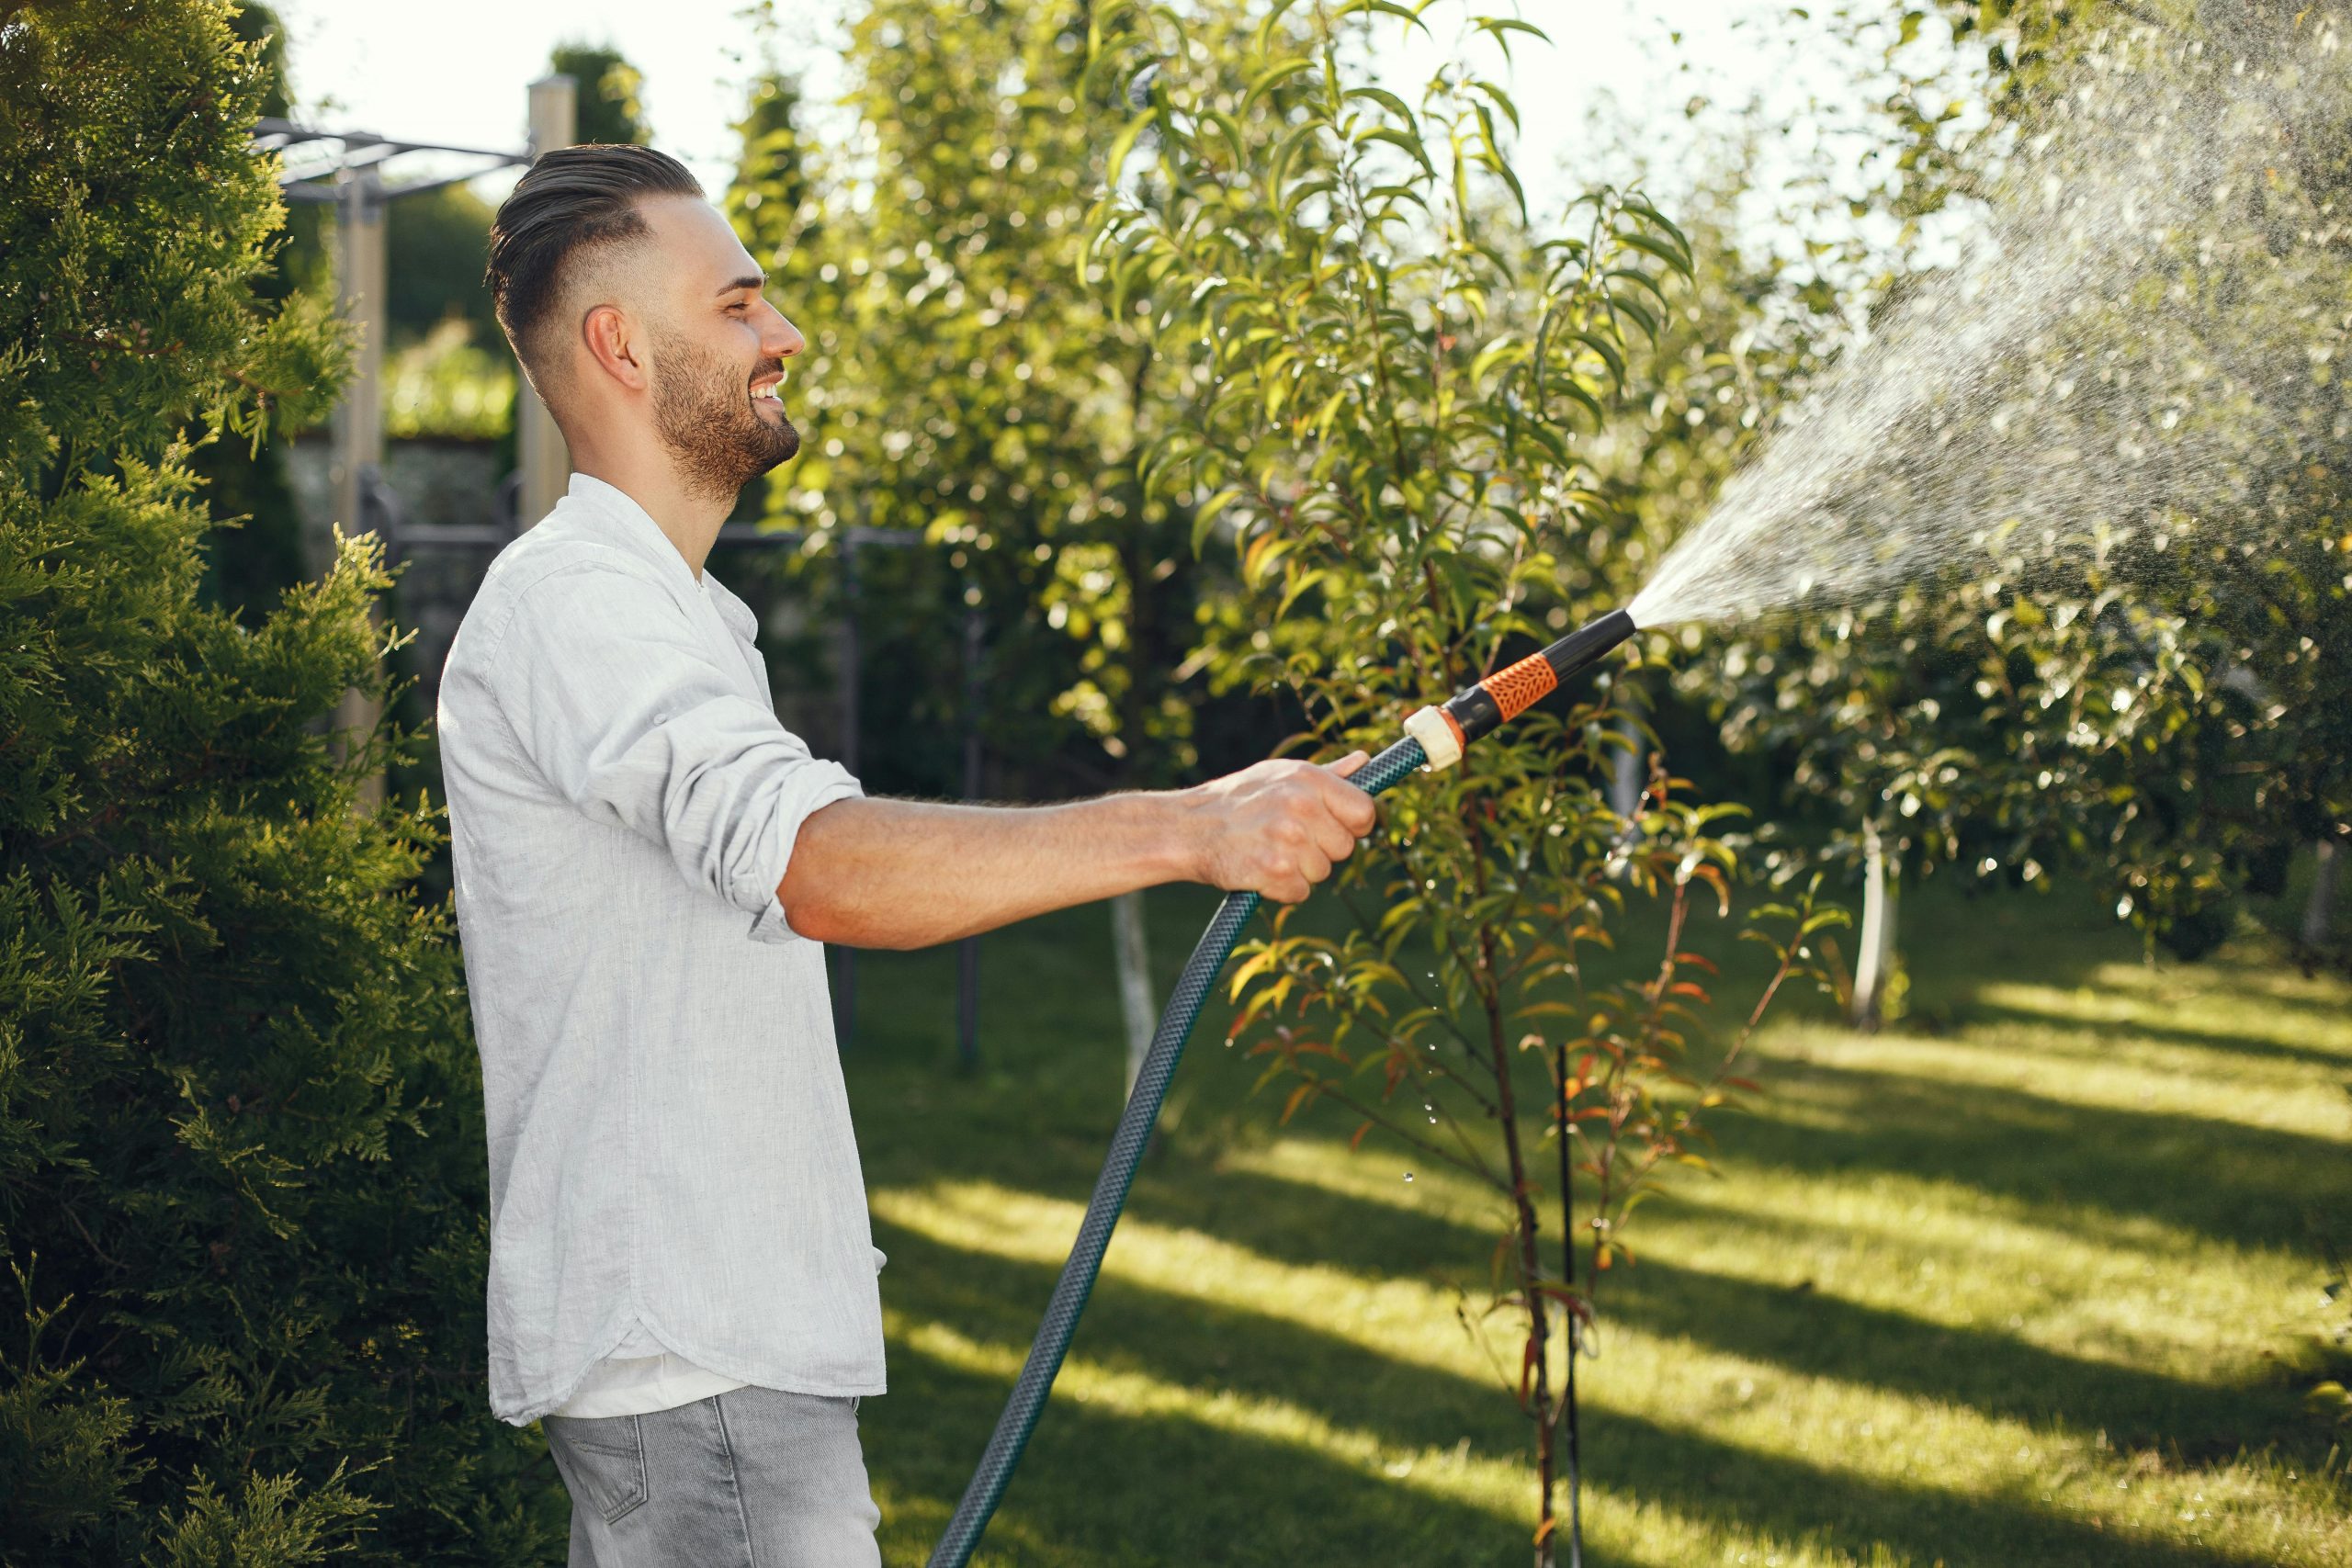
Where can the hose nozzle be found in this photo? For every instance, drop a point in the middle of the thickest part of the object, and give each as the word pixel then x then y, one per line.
pixel 1510 692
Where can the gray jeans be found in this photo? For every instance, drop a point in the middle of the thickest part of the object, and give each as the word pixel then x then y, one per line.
pixel 750 1479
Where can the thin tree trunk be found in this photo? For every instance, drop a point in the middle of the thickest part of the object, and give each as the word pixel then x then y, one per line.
pixel 1876 946
pixel 1629 771
pixel 1570 1324
pixel 1530 1262
pixel 2319 909
pixel 1132 958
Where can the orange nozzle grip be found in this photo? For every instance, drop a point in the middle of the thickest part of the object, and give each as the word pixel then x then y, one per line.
pixel 1521 687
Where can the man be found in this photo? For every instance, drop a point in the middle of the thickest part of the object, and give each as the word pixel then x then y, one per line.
pixel 682 1280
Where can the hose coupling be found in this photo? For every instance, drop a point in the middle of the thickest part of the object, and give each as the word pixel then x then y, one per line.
pixel 1440 738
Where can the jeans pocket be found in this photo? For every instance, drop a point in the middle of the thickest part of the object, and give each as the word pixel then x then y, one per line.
pixel 602 1460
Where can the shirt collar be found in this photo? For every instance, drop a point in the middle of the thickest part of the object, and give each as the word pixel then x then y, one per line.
pixel 629 524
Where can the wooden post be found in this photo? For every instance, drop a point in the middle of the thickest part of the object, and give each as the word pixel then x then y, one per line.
pixel 542 460
pixel 360 422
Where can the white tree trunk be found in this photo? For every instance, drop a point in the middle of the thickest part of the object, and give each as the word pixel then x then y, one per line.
pixel 2319 909
pixel 1875 949
pixel 1132 959
pixel 1630 772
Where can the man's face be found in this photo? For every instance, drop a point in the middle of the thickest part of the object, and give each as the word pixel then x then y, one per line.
pixel 718 349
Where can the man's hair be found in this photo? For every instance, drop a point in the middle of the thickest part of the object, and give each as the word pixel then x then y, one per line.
pixel 572 199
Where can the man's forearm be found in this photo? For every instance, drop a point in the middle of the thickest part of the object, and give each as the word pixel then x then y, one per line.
pixel 875 873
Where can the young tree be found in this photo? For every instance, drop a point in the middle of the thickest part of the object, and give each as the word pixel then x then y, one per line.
pixel 1392 376
pixel 242 1193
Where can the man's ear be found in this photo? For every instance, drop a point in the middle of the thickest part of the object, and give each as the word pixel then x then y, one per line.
pixel 613 343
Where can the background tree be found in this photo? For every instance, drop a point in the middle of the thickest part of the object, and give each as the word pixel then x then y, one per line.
pixel 241 1193
pixel 611 92
pixel 1392 373
pixel 959 383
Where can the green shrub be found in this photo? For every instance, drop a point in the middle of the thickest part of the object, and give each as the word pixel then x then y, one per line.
pixel 242 1184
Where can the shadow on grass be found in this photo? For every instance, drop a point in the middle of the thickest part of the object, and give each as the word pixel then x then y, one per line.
pixel 2246 1186
pixel 1985 1369
pixel 1102 1486
pixel 2120 1031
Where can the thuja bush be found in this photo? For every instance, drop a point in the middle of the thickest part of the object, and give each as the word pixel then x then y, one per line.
pixel 1392 372
pixel 241 1166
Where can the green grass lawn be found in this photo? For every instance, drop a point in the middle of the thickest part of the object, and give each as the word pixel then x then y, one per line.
pixel 2033 1281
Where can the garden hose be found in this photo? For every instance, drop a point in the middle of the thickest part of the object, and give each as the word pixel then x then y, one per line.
pixel 1434 737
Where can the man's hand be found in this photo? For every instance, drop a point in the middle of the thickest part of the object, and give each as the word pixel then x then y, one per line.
pixel 1277 828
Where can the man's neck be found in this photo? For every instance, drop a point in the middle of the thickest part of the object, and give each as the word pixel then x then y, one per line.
pixel 688 519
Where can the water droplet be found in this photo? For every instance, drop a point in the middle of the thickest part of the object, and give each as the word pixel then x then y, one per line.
pixel 1409 1176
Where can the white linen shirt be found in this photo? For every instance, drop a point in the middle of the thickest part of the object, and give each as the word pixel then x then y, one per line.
pixel 671 1158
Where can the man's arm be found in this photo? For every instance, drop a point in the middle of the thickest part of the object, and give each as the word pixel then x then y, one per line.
pixel 870 872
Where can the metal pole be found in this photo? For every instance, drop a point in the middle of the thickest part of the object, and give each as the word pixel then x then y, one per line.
pixel 968 964
pixel 360 422
pixel 845 958
pixel 541 455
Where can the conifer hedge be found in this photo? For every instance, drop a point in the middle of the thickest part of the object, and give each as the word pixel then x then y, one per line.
pixel 242 1178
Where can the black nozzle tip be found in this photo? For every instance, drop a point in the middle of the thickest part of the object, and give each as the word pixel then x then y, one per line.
pixel 1588 643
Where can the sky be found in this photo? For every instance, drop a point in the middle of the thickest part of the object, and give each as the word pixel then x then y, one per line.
pixel 456 70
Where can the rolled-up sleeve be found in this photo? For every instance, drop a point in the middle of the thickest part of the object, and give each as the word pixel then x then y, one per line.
pixel 624 707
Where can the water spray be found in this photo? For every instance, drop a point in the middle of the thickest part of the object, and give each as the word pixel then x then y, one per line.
pixel 1434 739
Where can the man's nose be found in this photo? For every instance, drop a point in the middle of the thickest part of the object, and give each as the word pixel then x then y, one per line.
pixel 783 339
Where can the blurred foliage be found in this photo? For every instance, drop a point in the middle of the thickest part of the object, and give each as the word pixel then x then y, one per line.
pixel 448 385
pixel 609 94
pixel 435 245
pixel 1392 379
pixel 242 1198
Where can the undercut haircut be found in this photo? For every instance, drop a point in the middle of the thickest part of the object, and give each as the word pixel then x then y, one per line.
pixel 573 200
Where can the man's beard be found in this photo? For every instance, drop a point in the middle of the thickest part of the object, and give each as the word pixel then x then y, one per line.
pixel 718 441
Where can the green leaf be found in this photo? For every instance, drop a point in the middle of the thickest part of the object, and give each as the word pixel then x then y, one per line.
pixel 1640 312
pixel 1263 42
pixel 1410 145
pixel 1666 252
pixel 1386 99
pixel 1610 354
pixel 1124 143
pixel 1575 391
pixel 1500 28
pixel 1500 99
pixel 1643 209
pixel 1268 80
pixel 1384 8
pixel 1205 515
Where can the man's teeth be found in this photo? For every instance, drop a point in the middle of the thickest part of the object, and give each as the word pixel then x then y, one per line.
pixel 772 391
